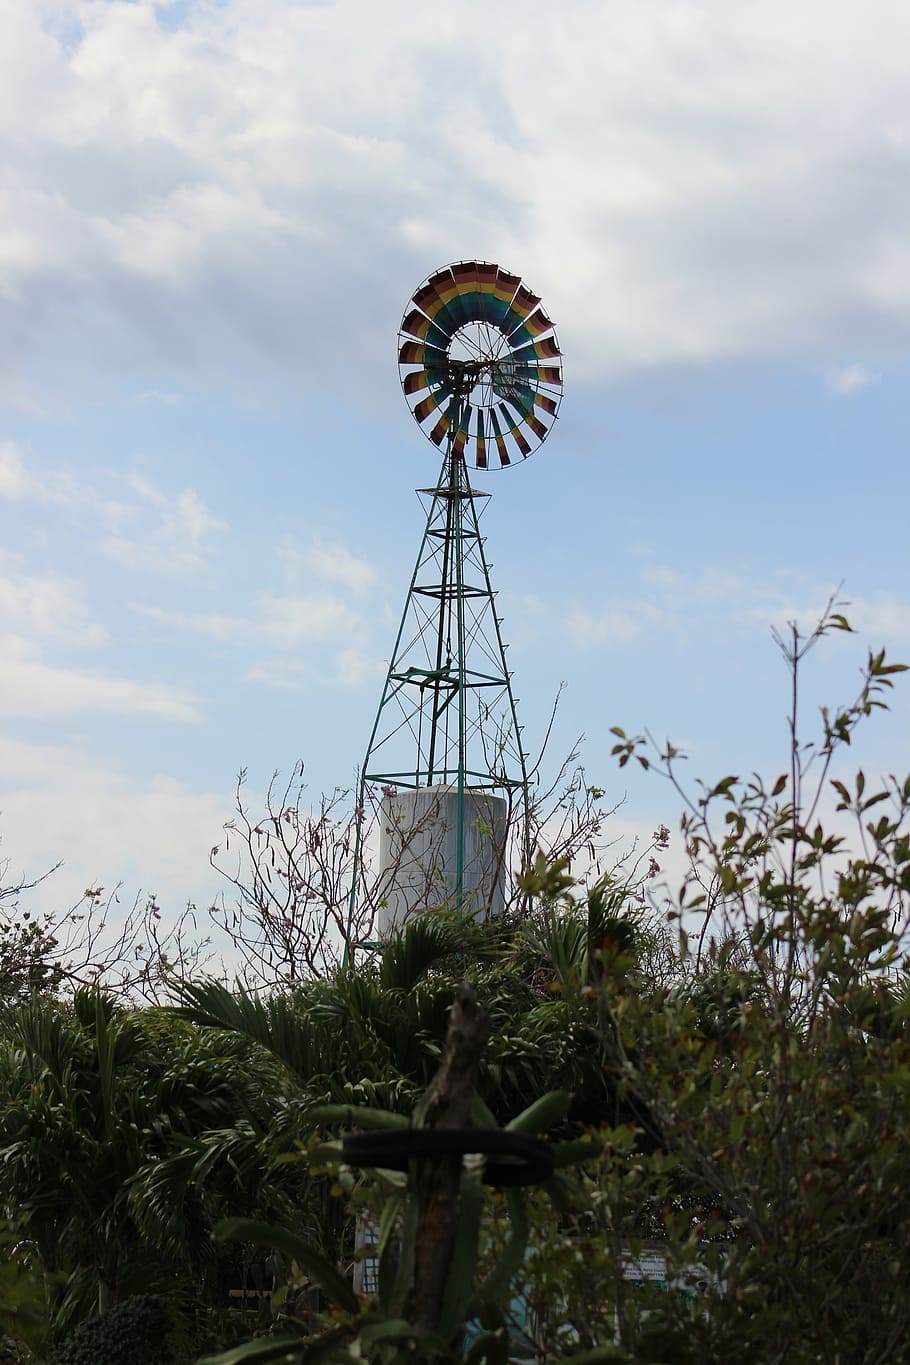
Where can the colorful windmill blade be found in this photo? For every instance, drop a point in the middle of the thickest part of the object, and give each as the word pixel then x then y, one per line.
pixel 480 364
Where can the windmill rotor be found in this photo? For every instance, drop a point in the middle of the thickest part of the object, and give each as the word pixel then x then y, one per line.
pixel 480 364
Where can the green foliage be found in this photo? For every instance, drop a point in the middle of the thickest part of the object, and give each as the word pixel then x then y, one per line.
pixel 23 1294
pixel 726 1087
pixel 139 1330
pixel 381 1329
pixel 125 1135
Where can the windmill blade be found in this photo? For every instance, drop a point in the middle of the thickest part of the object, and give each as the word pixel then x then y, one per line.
pixel 533 326
pixel 416 324
pixel 419 353
pixel 447 419
pixel 425 407
pixel 499 439
pixel 415 381
pixel 480 448
pixel 506 285
pixel 458 442
pixel 437 435
pixel 514 431
pixel 547 349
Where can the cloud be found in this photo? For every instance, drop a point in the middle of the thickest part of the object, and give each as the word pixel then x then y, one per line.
pixel 174 542
pixel 614 626
pixel 216 626
pixel 355 668
pixel 191 519
pixel 44 611
pixel 336 564
pixel 884 619
pixel 851 379
pixel 330 561
pixel 281 622
pixel 674 601
pixel 64 801
pixel 168 400
pixel 48 606
pixel 290 621
pixel 33 689
pixel 682 183
pixel 350 668
pixel 19 484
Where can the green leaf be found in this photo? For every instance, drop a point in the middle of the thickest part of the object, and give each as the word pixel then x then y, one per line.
pixel 404 1270
pixel 262 1349
pixel 385 1246
pixel 460 1279
pixel 494 1287
pixel 542 1114
pixel 352 1116
pixel 327 1152
pixel 390 1329
pixel 481 1115
pixel 308 1256
pixel 579 1149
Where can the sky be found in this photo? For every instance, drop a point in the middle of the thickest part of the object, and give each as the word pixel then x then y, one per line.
pixel 213 214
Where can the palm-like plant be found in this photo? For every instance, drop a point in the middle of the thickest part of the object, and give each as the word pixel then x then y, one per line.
pixel 92 1103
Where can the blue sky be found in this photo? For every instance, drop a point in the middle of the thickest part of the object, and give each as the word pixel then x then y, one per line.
pixel 213 216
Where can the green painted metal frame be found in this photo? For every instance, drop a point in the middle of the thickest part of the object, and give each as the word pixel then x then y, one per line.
pixel 451 500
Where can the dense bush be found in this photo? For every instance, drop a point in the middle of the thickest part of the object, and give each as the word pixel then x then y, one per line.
pixel 140 1330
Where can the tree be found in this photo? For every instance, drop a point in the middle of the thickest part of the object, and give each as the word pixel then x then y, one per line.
pixel 775 1075
pixel 92 943
pixel 750 1102
pixel 99 1105
pixel 28 960
pixel 291 867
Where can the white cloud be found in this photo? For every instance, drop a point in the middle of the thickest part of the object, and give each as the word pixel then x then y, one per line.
pixel 140 555
pixel 355 668
pixel 176 541
pixel 145 488
pixel 350 668
pixel 281 622
pixel 676 601
pixel 851 379
pixel 212 624
pixel 526 618
pixel 682 182
pixel 336 564
pixel 884 619
pixel 31 688
pixel 19 484
pixel 191 519
pixel 167 400
pixel 48 606
pixel 290 621
pixel 65 802
pixel 618 625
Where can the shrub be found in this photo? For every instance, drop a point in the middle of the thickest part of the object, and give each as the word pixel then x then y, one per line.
pixel 140 1330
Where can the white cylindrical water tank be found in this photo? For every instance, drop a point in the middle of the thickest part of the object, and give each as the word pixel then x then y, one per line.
pixel 418 853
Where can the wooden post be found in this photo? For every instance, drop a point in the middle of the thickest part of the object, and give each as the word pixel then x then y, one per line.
pixel 438 1180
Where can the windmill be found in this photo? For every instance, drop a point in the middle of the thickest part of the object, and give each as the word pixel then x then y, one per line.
pixel 480 370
